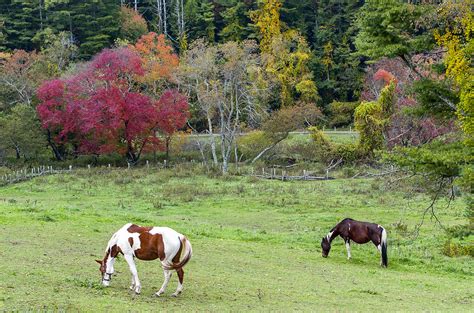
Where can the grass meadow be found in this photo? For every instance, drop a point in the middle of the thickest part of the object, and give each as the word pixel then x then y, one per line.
pixel 256 244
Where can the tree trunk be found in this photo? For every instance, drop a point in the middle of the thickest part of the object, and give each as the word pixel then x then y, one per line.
pixel 57 154
pixel 17 151
pixel 213 141
pixel 267 149
pixel 168 141
pixel 407 60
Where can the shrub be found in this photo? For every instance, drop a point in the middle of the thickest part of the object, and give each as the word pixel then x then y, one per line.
pixel 454 249
pixel 252 143
pixel 342 113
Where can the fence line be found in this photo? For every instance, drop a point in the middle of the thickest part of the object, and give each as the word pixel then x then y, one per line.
pixel 273 172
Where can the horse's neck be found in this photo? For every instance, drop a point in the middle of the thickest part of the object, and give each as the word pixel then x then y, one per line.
pixel 333 234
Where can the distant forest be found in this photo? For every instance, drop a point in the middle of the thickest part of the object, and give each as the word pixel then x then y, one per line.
pixel 328 27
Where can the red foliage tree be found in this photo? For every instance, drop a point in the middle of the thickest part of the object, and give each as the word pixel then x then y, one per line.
pixel 101 109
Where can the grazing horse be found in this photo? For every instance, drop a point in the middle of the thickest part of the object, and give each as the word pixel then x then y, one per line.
pixel 359 232
pixel 147 243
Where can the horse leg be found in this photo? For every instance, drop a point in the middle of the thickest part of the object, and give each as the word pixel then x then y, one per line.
pixel 133 270
pixel 180 283
pixel 167 274
pixel 348 247
pixel 379 247
pixel 132 285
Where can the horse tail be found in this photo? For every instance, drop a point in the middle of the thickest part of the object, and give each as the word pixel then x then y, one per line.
pixel 384 247
pixel 188 253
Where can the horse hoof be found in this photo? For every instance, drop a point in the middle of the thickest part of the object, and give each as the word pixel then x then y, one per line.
pixel 157 294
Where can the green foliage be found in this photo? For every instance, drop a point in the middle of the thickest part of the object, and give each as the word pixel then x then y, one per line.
pixel 93 23
pixel 132 25
pixel 21 133
pixel 341 113
pixel 252 143
pixel 200 19
pixel 436 159
pixel 236 21
pixel 432 95
pixel 454 249
pixel 392 28
pixel 372 118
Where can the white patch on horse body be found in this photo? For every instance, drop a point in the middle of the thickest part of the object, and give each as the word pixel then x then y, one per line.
pixel 171 241
pixel 349 226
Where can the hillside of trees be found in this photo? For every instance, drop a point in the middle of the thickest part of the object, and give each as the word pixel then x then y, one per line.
pixel 109 77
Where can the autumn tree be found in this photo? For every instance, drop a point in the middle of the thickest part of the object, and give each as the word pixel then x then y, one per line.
pixel 267 20
pixel 372 118
pixel 287 64
pixel 101 109
pixel 159 62
pixel 18 73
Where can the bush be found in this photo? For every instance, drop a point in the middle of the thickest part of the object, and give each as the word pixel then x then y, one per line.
pixel 252 143
pixel 454 249
pixel 342 113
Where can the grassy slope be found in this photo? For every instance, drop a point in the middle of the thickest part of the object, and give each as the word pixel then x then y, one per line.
pixel 256 245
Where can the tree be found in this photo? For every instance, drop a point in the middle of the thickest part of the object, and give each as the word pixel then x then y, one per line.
pixel 159 61
pixel 132 25
pixel 200 17
pixel 174 111
pixel 279 125
pixel 227 82
pixel 19 74
pixel 287 63
pixel 101 109
pixel 455 35
pixel 372 119
pixel 21 132
pixel 267 20
pixel 236 21
pixel 393 28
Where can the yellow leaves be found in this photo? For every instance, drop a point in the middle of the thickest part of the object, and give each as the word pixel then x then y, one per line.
pixel 5 55
pixel 456 37
pixel 267 19
pixel 287 61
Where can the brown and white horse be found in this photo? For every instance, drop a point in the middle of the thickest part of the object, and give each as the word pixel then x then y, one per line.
pixel 147 243
pixel 359 232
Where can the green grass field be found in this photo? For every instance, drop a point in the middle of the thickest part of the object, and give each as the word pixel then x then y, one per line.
pixel 256 245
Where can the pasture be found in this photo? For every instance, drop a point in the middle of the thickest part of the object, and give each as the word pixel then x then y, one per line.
pixel 256 244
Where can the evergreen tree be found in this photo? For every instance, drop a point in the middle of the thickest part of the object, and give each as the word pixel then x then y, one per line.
pixel 199 15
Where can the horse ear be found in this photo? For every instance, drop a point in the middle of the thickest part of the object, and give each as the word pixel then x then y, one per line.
pixel 99 261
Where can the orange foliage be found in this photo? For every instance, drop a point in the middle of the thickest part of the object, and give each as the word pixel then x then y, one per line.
pixel 159 59
pixel 386 76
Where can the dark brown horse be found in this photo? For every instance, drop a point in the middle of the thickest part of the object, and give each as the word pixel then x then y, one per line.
pixel 359 232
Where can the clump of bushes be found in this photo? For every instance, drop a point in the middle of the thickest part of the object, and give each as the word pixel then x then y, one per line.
pixel 326 150
pixel 456 249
